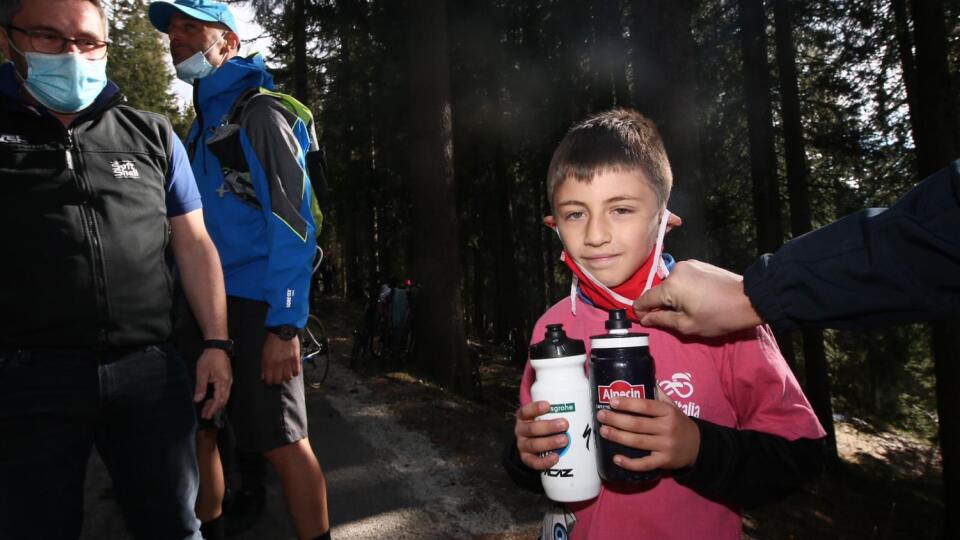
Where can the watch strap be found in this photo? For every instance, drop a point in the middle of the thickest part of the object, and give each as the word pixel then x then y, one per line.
pixel 225 345
pixel 285 332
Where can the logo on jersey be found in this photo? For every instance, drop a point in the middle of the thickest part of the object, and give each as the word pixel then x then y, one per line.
pixel 620 389
pixel 7 138
pixel 124 168
pixel 680 385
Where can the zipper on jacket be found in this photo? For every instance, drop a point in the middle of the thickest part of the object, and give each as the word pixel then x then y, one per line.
pixel 96 243
pixel 198 138
pixel 68 151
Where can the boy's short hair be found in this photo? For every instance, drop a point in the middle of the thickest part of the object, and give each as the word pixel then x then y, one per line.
pixel 617 140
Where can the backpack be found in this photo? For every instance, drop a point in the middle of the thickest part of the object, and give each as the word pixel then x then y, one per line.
pixel 224 143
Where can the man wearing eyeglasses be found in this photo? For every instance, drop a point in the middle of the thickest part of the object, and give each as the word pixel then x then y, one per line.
pixel 92 193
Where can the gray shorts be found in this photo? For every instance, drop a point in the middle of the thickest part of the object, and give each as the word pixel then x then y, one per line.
pixel 263 417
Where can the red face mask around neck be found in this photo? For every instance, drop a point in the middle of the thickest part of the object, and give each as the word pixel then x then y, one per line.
pixel 623 294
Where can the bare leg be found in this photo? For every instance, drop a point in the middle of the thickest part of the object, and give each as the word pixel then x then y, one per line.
pixel 210 496
pixel 304 486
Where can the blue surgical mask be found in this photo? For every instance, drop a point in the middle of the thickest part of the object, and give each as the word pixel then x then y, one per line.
pixel 196 67
pixel 64 83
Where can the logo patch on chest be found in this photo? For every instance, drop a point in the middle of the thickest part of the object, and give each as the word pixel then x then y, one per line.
pixel 9 138
pixel 680 387
pixel 124 168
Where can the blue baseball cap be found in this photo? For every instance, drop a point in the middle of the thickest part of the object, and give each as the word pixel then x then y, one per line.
pixel 203 10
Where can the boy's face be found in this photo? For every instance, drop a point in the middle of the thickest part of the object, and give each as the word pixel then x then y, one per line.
pixel 609 226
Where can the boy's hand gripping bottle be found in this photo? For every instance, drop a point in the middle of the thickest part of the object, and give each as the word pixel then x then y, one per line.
pixel 620 366
pixel 561 381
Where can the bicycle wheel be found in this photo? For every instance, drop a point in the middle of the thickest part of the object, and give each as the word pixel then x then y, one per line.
pixel 314 352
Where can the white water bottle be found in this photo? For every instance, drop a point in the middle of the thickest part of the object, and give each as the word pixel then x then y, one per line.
pixel 561 381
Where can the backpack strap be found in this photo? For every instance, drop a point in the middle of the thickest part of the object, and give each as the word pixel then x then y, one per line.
pixel 236 111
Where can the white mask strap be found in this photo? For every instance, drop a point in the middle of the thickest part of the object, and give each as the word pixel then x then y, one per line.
pixel 658 265
pixel 573 294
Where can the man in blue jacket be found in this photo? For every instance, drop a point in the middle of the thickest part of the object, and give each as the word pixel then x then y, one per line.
pixel 874 268
pixel 94 195
pixel 260 221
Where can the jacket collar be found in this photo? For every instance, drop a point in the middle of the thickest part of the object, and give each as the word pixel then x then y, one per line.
pixel 9 84
pixel 220 89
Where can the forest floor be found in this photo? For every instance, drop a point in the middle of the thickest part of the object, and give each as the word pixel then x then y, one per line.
pixel 887 485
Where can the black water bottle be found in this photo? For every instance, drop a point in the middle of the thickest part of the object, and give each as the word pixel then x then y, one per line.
pixel 620 366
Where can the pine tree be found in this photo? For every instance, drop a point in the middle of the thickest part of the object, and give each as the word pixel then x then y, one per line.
pixel 138 61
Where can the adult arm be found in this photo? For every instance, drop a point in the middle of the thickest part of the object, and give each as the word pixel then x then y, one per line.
pixel 870 269
pixel 873 268
pixel 278 173
pixel 202 280
pixel 201 275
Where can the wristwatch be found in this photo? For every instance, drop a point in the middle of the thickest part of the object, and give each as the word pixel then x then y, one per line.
pixel 285 332
pixel 225 345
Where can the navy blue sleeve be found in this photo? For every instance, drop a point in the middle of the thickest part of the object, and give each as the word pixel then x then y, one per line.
pixel 874 268
pixel 183 196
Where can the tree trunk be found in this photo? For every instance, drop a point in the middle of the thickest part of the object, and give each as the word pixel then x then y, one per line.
pixel 607 60
pixel 935 119
pixel 508 292
pixel 763 157
pixel 937 129
pixel 301 89
pixel 665 89
pixel 814 355
pixel 946 343
pixel 438 319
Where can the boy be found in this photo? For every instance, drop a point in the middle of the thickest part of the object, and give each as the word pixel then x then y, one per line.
pixel 731 426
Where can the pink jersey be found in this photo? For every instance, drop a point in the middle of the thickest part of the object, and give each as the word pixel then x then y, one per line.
pixel 739 381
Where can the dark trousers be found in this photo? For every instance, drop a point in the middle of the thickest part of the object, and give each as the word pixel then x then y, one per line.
pixel 135 406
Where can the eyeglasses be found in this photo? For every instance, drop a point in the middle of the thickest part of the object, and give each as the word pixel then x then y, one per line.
pixel 48 42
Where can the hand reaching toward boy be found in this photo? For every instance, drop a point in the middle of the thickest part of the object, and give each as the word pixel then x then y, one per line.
pixel 657 425
pixel 698 299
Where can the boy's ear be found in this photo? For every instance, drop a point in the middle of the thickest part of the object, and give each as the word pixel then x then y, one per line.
pixel 673 221
pixel 550 221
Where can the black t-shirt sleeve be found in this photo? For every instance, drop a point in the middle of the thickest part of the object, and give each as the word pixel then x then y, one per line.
pixel 748 468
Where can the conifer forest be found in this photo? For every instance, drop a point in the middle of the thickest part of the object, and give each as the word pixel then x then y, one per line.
pixel 779 116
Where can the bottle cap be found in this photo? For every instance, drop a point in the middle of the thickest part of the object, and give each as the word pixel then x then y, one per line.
pixel 618 320
pixel 556 344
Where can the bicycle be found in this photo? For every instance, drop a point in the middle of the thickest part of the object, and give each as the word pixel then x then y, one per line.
pixel 314 345
pixel 369 337
pixel 314 352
